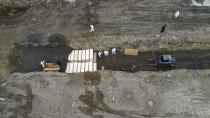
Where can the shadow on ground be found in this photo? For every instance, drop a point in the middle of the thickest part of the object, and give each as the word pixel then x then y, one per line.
pixel 55 51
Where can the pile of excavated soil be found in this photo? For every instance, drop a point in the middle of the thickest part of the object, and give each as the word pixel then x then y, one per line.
pixel 171 94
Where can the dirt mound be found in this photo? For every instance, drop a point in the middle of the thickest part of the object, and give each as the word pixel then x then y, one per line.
pixel 143 94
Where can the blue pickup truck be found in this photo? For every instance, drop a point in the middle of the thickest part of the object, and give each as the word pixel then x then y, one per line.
pixel 165 60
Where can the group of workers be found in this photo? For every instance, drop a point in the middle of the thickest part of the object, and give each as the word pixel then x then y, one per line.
pixel 113 51
pixel 106 52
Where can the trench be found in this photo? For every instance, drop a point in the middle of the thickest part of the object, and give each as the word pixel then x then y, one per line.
pixel 191 59
pixel 56 50
pixel 32 55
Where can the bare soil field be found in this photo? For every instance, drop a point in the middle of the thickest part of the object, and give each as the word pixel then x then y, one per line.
pixel 172 94
pixel 35 30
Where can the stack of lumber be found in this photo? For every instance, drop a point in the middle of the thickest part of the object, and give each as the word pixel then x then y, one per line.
pixel 51 67
pixel 131 51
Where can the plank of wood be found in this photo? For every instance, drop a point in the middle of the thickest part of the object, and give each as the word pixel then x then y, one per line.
pixel 131 51
pixel 94 57
pixel 51 65
pixel 51 69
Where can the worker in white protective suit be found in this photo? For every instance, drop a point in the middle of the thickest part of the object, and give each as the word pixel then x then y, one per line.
pixel 42 63
pixel 99 54
pixel 92 28
pixel 176 14
pixel 114 50
pixel 2 99
pixel 106 53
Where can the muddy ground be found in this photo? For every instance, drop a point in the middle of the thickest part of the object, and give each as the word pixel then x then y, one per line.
pixel 55 50
pixel 31 31
pixel 193 59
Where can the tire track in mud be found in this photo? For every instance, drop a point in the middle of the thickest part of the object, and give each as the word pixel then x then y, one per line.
pixel 95 101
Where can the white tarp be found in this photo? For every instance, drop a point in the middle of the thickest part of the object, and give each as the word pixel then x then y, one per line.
pixel 205 3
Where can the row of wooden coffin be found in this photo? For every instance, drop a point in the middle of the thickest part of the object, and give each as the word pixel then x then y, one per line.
pixel 81 55
pixel 77 67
